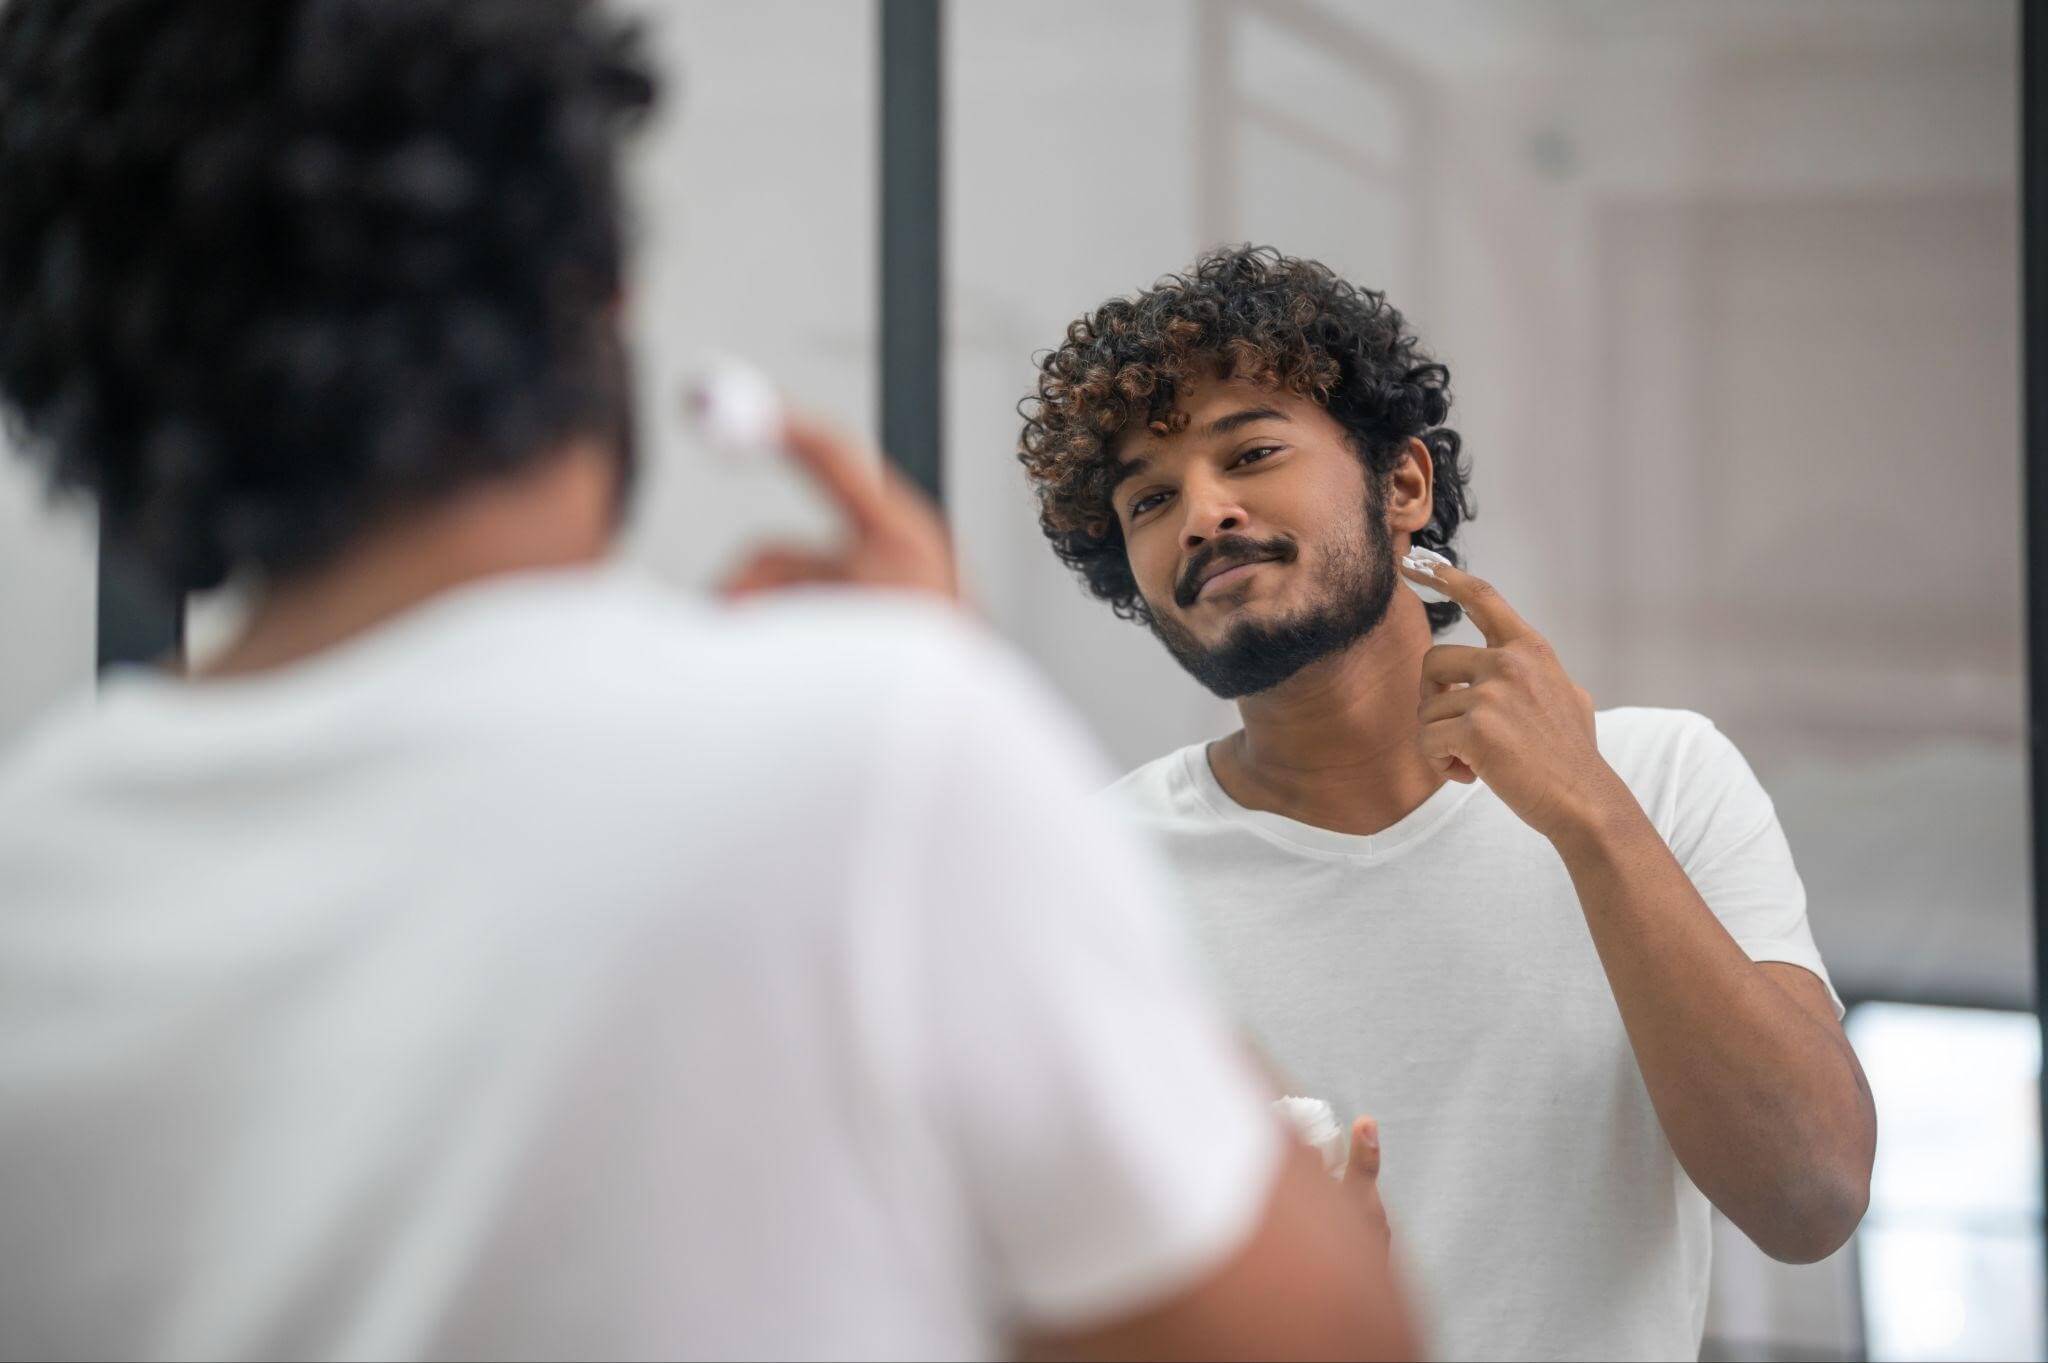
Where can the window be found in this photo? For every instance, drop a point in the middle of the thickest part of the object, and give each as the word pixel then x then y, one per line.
pixel 1951 1252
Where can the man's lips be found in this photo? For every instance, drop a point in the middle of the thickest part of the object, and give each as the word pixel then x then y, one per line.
pixel 1234 571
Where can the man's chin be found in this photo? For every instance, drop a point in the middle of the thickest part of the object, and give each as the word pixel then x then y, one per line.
pixel 1249 654
pixel 1258 645
pixel 1214 622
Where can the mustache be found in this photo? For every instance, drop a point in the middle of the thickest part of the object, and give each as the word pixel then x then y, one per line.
pixel 1231 551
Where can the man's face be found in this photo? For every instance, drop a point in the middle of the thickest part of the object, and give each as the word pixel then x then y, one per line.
pixel 1257 539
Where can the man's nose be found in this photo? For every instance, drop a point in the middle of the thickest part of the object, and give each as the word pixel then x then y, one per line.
pixel 1209 514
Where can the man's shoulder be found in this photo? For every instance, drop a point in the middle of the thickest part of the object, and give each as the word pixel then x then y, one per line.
pixel 796 664
pixel 856 647
pixel 1674 760
pixel 47 750
pixel 852 622
pixel 937 674
pixel 616 667
pixel 1643 733
pixel 1156 788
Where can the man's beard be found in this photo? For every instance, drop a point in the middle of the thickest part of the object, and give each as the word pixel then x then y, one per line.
pixel 1257 655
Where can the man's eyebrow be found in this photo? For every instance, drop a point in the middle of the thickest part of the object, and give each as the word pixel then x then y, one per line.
pixel 1237 421
pixel 1128 469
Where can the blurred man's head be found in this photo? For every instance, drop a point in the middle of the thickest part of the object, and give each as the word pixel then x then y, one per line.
pixel 275 271
pixel 1230 457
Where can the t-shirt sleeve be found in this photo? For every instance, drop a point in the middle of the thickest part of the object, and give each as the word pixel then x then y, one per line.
pixel 1725 833
pixel 1106 1128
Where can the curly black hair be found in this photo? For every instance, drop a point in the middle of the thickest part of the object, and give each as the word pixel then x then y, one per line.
pixel 1250 313
pixel 273 269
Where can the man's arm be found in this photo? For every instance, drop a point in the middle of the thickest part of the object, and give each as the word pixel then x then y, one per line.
pixel 1752 1078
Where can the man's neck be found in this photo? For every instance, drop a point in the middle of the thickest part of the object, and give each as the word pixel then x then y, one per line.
pixel 1335 745
pixel 560 512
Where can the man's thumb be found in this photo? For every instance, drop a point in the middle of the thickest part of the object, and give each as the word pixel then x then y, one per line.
pixel 1365 1149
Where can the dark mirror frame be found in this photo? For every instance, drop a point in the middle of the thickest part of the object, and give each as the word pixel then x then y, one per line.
pixel 2034 466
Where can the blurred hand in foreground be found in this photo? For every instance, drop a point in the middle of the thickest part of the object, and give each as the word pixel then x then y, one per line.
pixel 897 539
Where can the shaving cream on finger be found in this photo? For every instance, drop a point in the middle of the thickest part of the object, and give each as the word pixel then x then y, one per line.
pixel 1315 1123
pixel 736 410
pixel 1425 562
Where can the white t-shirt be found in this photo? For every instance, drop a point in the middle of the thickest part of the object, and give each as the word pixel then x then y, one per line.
pixel 566 969
pixel 1440 976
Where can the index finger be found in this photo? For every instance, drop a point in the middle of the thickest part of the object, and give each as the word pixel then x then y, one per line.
pixel 848 473
pixel 1365 1147
pixel 1481 600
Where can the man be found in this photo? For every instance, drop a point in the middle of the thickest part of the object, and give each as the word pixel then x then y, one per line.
pixel 1563 957
pixel 494 956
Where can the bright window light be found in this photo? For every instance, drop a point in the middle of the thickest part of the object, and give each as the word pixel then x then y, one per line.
pixel 1950 1254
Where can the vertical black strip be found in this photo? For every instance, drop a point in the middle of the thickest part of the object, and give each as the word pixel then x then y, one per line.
pixel 139 620
pixel 913 325
pixel 2034 377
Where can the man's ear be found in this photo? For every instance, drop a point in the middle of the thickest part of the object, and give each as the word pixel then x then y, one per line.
pixel 1411 485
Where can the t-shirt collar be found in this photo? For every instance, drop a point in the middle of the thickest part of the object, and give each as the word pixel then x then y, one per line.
pixel 1295 835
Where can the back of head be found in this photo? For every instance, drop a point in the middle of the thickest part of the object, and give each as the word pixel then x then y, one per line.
pixel 272 270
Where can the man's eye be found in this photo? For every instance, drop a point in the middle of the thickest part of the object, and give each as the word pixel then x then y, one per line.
pixel 1146 503
pixel 1254 455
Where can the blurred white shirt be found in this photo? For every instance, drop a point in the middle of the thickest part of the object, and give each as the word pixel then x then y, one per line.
pixel 569 969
